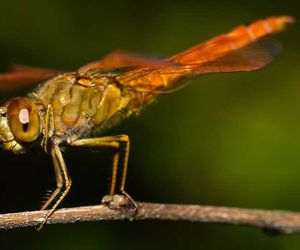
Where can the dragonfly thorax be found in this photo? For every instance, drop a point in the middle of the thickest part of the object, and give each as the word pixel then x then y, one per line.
pixel 80 104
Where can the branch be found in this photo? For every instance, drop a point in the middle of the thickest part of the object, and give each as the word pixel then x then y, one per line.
pixel 271 221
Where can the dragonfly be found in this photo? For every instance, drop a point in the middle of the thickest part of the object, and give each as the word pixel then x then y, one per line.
pixel 66 107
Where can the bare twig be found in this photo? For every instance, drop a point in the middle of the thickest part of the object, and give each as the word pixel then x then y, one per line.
pixel 272 221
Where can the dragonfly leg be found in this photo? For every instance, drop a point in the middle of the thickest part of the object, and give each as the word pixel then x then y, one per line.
pixel 63 183
pixel 47 126
pixel 121 144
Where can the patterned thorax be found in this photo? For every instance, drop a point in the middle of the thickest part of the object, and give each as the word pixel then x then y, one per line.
pixel 81 103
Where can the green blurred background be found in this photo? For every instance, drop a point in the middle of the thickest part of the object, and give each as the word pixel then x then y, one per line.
pixel 227 139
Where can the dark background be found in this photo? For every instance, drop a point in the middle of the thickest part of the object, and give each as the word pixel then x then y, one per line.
pixel 227 139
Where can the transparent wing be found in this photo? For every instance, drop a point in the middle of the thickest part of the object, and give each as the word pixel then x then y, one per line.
pixel 237 50
pixel 236 39
pixel 121 59
pixel 252 57
pixel 22 76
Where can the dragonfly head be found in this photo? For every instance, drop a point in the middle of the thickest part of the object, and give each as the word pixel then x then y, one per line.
pixel 19 124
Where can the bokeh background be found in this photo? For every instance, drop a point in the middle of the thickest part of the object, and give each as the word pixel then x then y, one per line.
pixel 226 139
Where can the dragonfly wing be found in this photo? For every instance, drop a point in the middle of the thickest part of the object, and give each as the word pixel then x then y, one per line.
pixel 21 78
pixel 238 50
pixel 233 40
pixel 252 57
pixel 121 59
pixel 22 67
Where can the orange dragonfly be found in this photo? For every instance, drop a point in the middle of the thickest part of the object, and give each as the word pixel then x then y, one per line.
pixel 66 107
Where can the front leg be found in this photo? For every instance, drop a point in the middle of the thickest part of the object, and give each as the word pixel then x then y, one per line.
pixel 63 183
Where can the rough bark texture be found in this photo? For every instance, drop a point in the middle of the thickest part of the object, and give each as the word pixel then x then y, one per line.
pixel 271 221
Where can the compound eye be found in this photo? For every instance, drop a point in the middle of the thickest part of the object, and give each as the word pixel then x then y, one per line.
pixel 23 119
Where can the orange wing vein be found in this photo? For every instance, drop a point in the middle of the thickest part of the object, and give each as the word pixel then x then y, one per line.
pixel 24 76
pixel 239 50
pixel 120 59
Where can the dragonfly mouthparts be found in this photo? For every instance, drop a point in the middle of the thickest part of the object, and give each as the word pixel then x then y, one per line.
pixel 12 146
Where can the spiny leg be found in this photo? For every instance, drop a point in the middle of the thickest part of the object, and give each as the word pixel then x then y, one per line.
pixel 63 183
pixel 114 142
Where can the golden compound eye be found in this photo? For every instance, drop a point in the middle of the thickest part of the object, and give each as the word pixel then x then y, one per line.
pixel 23 119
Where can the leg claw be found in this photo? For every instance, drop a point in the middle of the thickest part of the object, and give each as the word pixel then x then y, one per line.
pixel 118 201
